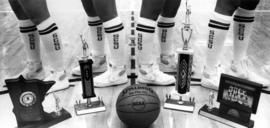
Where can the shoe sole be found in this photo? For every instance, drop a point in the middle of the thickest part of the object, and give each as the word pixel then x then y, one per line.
pixel 3 91
pixel 111 85
pixel 96 71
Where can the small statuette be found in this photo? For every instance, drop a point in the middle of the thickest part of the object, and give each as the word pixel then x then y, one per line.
pixel 211 100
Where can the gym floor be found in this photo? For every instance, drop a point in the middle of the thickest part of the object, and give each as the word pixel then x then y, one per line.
pixel 72 21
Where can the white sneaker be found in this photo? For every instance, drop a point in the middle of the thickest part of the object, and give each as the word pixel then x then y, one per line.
pixel 61 81
pixel 168 64
pixel 115 75
pixel 240 68
pixel 150 74
pixel 33 70
pixel 211 77
pixel 98 66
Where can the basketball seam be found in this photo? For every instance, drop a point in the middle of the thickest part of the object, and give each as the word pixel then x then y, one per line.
pixel 135 95
pixel 139 112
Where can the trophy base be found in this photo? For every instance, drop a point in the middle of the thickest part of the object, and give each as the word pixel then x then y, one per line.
pixel 185 106
pixel 50 120
pixel 84 108
pixel 214 114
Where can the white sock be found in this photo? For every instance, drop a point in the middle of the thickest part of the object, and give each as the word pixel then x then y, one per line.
pixel 145 36
pixel 97 36
pixel 116 39
pixel 31 40
pixel 52 43
pixel 218 28
pixel 165 33
pixel 242 26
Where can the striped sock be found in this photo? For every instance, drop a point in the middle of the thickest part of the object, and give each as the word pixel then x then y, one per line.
pixel 145 36
pixel 242 26
pixel 116 38
pixel 31 40
pixel 48 32
pixel 165 34
pixel 97 36
pixel 218 27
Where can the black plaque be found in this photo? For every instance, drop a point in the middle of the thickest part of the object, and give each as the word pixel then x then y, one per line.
pixel 27 97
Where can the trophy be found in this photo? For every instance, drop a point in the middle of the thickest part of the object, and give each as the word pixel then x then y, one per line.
pixel 184 71
pixel 27 97
pixel 96 104
pixel 238 99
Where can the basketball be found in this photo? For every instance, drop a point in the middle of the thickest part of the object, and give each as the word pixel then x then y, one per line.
pixel 138 106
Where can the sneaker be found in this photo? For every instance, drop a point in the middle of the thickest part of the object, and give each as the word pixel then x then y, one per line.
pixel 115 75
pixel 240 68
pixel 61 81
pixel 33 70
pixel 98 66
pixel 211 77
pixel 168 64
pixel 150 74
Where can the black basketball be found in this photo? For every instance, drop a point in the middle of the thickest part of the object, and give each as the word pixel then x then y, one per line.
pixel 138 106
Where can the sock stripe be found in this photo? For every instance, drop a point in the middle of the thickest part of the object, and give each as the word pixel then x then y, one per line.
pixel 48 28
pixel 115 30
pixel 243 19
pixel 114 27
pixel 165 25
pixel 28 29
pixel 49 31
pixel 218 25
pixel 144 28
pixel 95 23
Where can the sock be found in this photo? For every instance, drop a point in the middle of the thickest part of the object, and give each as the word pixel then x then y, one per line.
pixel 218 27
pixel 165 33
pixel 97 36
pixel 145 36
pixel 116 38
pixel 242 25
pixel 50 37
pixel 31 40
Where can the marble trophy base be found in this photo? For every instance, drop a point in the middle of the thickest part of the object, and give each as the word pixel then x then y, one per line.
pixel 84 108
pixel 180 105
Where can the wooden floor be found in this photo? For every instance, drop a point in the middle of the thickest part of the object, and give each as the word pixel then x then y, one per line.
pixel 71 20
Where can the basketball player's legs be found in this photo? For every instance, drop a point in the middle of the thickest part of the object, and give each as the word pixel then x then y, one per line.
pixel 114 32
pixel 97 39
pixel 242 26
pixel 166 22
pixel 38 12
pixel 218 27
pixel 149 72
pixel 31 40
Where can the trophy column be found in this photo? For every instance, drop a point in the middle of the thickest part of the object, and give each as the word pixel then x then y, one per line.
pixel 184 102
pixel 92 105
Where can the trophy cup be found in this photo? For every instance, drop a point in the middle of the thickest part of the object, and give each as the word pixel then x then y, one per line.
pixel 27 97
pixel 96 105
pixel 238 99
pixel 184 72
